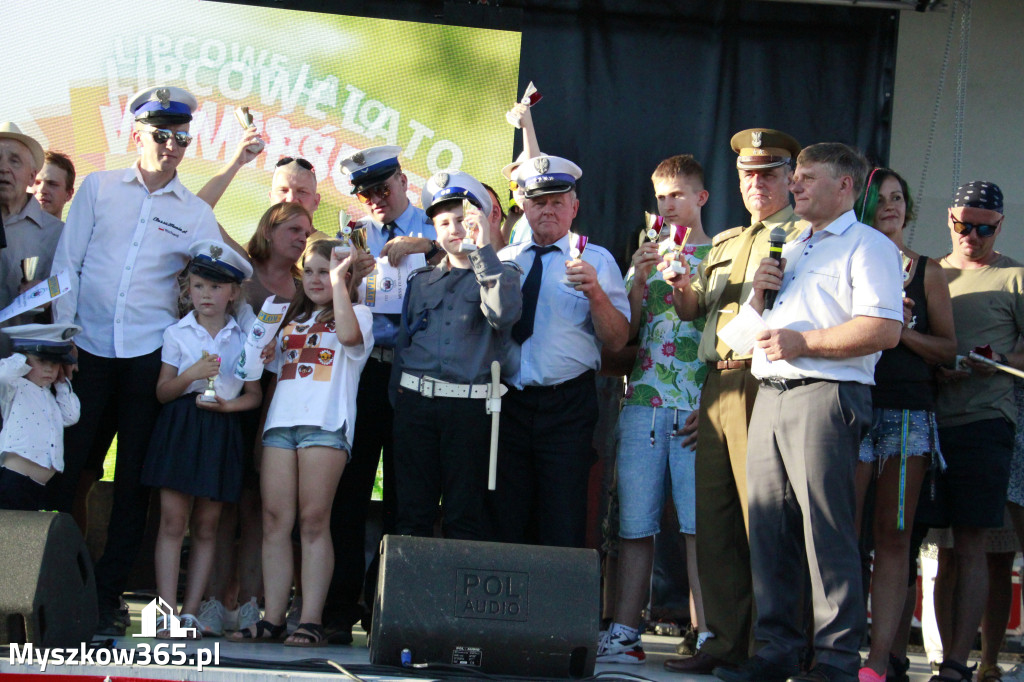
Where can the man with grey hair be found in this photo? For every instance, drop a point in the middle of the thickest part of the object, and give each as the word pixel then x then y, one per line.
pixel 31 231
pixel 839 304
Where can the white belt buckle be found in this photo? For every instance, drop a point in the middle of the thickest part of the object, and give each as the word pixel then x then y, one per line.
pixel 427 387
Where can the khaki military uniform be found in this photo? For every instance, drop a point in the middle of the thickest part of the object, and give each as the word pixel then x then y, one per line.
pixel 727 399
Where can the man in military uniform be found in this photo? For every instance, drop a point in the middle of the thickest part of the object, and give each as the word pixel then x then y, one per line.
pixel 395 229
pixel 456 322
pixel 719 287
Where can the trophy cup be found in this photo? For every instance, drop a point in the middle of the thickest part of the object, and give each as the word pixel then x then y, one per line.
pixel 577 245
pixel 655 224
pixel 678 238
pixel 244 118
pixel 29 266
pixel 209 395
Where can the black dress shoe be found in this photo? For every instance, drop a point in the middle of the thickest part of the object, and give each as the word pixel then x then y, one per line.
pixel 758 669
pixel 110 624
pixel 698 664
pixel 822 672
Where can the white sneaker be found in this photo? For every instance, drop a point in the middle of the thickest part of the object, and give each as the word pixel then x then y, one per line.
pixel 230 619
pixel 294 615
pixel 211 615
pixel 247 615
pixel 617 649
pixel 188 621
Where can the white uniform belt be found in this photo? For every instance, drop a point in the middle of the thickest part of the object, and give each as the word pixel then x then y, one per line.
pixel 382 354
pixel 434 388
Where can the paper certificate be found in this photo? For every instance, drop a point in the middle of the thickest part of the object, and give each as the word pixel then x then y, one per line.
pixel 383 289
pixel 250 364
pixel 741 332
pixel 37 296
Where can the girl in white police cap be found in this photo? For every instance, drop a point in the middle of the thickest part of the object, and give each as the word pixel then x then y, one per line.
pixel 195 454
pixel 37 403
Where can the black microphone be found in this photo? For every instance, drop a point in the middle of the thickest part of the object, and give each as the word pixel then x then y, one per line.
pixel 775 241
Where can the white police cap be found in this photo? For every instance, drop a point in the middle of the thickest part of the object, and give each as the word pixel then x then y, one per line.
pixel 547 175
pixel 369 167
pixel 508 170
pixel 218 262
pixel 49 341
pixel 455 185
pixel 163 105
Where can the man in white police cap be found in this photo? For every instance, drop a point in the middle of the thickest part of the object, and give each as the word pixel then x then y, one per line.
pixel 128 236
pixel 573 305
pixel 31 232
pixel 396 229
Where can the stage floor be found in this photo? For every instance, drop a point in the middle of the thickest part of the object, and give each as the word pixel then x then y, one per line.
pixel 275 662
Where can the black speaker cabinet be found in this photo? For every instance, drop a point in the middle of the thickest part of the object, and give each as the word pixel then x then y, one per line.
pixel 47 587
pixel 499 609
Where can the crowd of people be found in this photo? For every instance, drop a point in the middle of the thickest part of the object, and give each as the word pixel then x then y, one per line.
pixel 771 377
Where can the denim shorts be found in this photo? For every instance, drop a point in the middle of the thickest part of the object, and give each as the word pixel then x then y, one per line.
pixel 648 473
pixel 886 437
pixel 295 437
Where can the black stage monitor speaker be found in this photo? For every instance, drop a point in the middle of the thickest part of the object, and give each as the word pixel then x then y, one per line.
pixel 499 609
pixel 47 587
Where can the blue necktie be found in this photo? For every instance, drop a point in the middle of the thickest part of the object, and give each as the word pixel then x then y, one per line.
pixel 523 329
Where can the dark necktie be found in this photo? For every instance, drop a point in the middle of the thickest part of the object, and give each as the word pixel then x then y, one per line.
pixel 389 231
pixel 523 329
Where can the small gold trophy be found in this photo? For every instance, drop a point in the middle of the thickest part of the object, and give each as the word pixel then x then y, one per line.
pixel 210 394
pixel 29 266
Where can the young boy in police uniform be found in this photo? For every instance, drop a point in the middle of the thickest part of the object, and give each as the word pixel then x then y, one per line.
pixel 456 321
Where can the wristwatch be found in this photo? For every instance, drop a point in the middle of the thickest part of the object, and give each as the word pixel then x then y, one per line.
pixel 434 249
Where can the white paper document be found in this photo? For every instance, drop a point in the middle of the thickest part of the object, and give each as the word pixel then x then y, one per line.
pixel 383 289
pixel 39 295
pixel 741 333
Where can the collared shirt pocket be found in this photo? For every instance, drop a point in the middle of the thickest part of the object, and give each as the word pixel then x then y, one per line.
pixel 826 281
pixel 572 305
pixel 473 321
pixel 425 311
pixel 717 275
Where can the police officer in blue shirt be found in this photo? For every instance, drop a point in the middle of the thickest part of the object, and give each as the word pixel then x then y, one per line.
pixel 394 228
pixel 456 322
pixel 573 305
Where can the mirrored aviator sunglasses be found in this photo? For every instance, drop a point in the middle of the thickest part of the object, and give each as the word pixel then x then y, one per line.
pixel 960 227
pixel 382 190
pixel 161 135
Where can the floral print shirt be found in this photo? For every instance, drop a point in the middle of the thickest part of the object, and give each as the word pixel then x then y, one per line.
pixel 667 372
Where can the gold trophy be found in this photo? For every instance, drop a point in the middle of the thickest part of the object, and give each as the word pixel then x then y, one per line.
pixel 244 118
pixel 209 395
pixel 29 266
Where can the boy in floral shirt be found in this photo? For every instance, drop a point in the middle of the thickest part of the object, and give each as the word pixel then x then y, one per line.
pixel 661 401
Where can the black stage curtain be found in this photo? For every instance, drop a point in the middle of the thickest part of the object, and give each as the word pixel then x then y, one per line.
pixel 627 83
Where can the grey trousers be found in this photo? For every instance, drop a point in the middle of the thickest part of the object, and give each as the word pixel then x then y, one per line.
pixel 801 455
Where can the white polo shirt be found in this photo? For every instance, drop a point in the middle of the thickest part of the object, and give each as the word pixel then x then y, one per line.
pixel 123 247
pixel 843 271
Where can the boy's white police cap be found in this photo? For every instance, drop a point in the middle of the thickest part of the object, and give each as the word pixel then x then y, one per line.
pixel 218 262
pixel 163 105
pixel 48 341
pixel 454 185
pixel 369 167
pixel 547 175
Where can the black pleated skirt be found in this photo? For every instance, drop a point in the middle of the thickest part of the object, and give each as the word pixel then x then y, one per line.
pixel 195 451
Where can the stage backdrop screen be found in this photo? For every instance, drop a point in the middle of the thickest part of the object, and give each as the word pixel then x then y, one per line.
pixel 318 85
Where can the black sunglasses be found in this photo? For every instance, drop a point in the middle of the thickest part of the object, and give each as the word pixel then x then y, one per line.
pixel 960 227
pixel 284 161
pixel 161 135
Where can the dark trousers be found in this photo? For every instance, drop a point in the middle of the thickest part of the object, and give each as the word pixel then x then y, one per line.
pixel 544 458
pixel 373 438
pixel 127 385
pixel 442 447
pixel 802 451
pixel 18 492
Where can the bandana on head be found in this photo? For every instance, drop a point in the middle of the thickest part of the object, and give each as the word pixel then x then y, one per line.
pixel 979 194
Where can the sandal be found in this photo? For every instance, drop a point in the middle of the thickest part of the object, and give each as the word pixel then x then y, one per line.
pixel 900 669
pixel 966 673
pixel 989 673
pixel 260 631
pixel 307 635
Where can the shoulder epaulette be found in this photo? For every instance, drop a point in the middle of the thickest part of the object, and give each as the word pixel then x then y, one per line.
pixel 420 271
pixel 726 235
pixel 514 265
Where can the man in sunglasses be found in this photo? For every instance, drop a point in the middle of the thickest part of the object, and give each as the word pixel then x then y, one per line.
pixel 396 229
pixel 975 405
pixel 128 236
